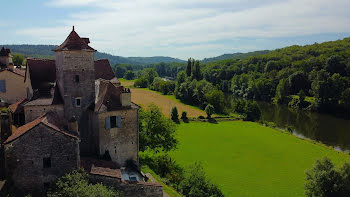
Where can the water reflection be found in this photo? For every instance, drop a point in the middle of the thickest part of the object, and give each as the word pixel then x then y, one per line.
pixel 324 128
pixel 320 127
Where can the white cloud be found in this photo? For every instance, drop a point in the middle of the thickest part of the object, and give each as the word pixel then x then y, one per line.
pixel 183 28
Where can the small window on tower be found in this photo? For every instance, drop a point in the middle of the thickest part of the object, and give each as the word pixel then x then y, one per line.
pixel 77 102
pixel 113 121
pixel 47 162
pixel 76 78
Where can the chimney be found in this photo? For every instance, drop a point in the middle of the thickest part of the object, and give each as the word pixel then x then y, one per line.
pixel 73 125
pixel 11 66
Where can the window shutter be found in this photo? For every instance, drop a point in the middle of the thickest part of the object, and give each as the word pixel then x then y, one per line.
pixel 119 121
pixel 108 123
pixel 73 102
pixel 81 102
pixel 2 86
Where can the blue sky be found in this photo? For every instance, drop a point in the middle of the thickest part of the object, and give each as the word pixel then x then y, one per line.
pixel 176 28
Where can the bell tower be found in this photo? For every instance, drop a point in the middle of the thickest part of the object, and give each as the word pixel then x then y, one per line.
pixel 75 75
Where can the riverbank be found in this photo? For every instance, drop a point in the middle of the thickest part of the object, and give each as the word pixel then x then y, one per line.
pixel 248 159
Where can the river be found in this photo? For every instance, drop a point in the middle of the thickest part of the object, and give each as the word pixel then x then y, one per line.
pixel 324 128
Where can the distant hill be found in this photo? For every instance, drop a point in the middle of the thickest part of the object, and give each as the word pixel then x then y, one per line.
pixel 234 56
pixel 45 51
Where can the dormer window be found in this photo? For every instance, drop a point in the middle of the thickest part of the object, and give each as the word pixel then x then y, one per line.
pixel 76 78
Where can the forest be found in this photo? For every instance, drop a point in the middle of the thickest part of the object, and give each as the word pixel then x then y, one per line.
pixel 312 77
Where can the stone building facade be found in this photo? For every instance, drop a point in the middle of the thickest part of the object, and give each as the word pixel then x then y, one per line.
pixel 74 106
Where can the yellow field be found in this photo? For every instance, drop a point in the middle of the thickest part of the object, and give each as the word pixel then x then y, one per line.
pixel 145 97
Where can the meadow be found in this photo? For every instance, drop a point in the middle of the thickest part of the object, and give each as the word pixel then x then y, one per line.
pixel 145 97
pixel 247 159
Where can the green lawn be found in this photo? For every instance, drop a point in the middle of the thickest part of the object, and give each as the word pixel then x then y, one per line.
pixel 247 159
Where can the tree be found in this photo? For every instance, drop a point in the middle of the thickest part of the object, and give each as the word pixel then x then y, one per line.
pixel 184 115
pixel 76 183
pixel 282 91
pixel 195 70
pixel 156 131
pixel 174 115
pixel 18 59
pixel 297 82
pixel 195 184
pixel 189 67
pixel 322 180
pixel 252 111
pixel 129 75
pixel 209 109
pixel 335 64
pixel 141 82
pixel 217 99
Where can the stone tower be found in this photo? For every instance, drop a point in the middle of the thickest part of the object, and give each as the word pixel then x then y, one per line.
pixel 75 75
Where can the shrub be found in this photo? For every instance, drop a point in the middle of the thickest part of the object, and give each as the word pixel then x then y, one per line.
pixel 76 183
pixel 324 180
pixel 196 184
pixel 174 114
pixel 209 109
pixel 184 115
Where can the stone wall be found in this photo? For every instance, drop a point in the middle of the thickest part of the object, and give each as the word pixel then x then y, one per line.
pixel 15 87
pixel 32 112
pixel 70 64
pixel 5 60
pixel 24 157
pixel 121 143
pixel 130 189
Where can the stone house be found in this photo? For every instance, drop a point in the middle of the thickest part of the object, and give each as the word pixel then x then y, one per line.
pixel 12 87
pixel 77 107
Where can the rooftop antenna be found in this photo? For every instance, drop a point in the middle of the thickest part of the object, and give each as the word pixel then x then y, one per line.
pixel 73 27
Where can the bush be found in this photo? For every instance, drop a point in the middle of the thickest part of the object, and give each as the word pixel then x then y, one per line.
pixel 76 183
pixel 252 111
pixel 209 109
pixel 184 115
pixel 129 75
pixel 323 180
pixel 201 117
pixel 163 165
pixel 174 115
pixel 156 130
pixel 196 184
pixel 141 82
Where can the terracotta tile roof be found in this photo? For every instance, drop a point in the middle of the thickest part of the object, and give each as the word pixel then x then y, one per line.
pixel 5 52
pixel 74 42
pixel 114 173
pixel 19 71
pixel 103 70
pixel 88 162
pixel 15 71
pixel 17 105
pixel 40 101
pixel 49 119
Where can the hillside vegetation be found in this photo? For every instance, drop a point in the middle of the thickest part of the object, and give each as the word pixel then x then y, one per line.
pixel 247 159
pixel 310 77
pixel 45 51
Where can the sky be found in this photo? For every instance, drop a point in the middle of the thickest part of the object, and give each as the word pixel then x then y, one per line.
pixel 176 28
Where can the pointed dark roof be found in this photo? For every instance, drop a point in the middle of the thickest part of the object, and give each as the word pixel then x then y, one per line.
pixel 74 42
pixel 5 52
pixel 103 70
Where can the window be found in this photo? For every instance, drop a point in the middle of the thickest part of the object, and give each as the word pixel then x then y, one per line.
pixel 132 178
pixel 77 102
pixel 47 162
pixel 76 78
pixel 2 86
pixel 113 122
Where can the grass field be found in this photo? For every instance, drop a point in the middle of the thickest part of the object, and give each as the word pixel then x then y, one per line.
pixel 247 159
pixel 145 97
